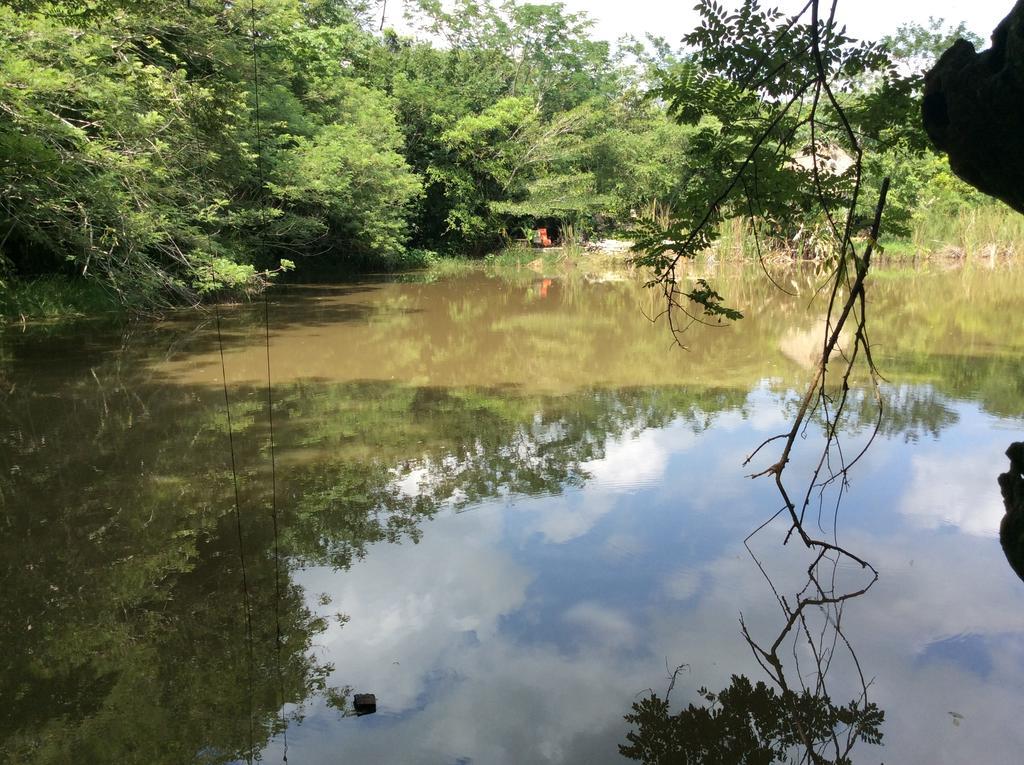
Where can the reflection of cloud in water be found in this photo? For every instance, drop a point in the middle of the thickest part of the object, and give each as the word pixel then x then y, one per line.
pixel 562 519
pixel 500 663
pixel 764 411
pixel 478 697
pixel 958 491
pixel 633 463
pixel 618 547
pixel 485 697
pixel 598 624
pixel 935 586
pixel 629 464
pixel 412 483
pixel 406 602
pixel 955 586
pixel 510 705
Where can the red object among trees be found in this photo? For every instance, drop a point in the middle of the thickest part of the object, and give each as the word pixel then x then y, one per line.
pixel 545 240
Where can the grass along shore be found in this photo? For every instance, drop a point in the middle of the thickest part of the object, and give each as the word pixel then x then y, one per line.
pixel 974 233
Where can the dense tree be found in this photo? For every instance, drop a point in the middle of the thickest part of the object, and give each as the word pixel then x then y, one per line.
pixel 170 152
pixel 132 145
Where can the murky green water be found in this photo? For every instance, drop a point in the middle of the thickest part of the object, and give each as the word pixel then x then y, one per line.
pixel 505 505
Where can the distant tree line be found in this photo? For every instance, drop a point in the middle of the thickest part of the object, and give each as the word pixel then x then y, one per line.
pixel 172 150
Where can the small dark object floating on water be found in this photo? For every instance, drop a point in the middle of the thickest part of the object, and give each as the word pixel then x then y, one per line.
pixel 364 704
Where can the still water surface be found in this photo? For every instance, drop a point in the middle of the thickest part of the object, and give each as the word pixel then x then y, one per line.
pixel 506 505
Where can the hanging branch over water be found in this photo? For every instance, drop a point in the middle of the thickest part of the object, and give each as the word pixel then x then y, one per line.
pixel 765 92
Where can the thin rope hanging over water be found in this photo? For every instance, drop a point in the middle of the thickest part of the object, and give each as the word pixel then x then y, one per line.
pixel 256 100
pixel 241 544
pixel 270 393
pixel 277 546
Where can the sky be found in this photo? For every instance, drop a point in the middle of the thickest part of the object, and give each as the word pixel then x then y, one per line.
pixel 865 19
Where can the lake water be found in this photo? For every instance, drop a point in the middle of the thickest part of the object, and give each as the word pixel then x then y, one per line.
pixel 508 507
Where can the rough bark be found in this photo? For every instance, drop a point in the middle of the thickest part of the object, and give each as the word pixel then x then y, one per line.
pixel 1011 531
pixel 973 110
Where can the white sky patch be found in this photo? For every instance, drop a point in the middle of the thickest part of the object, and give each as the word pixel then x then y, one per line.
pixel 865 19
pixel 958 491
pixel 683 584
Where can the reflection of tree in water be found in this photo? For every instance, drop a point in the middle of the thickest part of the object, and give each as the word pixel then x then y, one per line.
pixel 995 381
pixel 119 601
pixel 744 724
pixel 120 606
pixel 909 412
pixel 119 571
pixel 375 459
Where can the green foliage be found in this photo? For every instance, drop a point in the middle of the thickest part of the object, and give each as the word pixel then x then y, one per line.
pixel 918 46
pixel 346 186
pixel 411 258
pixel 54 297
pixel 540 51
pixel 711 302
pixel 746 724
pixel 749 71
pixel 129 149
pixel 748 89
pixel 131 153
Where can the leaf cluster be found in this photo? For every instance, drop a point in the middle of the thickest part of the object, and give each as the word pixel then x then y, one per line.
pixel 745 724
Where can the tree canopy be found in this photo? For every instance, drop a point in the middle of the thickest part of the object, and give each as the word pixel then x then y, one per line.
pixel 167 153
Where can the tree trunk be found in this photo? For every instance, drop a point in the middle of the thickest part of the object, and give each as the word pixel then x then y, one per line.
pixel 973 110
pixel 1011 531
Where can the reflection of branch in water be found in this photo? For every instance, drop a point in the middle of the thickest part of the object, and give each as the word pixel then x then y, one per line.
pixel 762 724
pixel 746 723
pixel 821 599
pixel 821 595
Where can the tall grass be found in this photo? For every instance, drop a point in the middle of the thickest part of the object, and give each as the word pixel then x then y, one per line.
pixel 54 297
pixel 991 229
pixel 736 239
pixel 988 230
pixel 518 254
